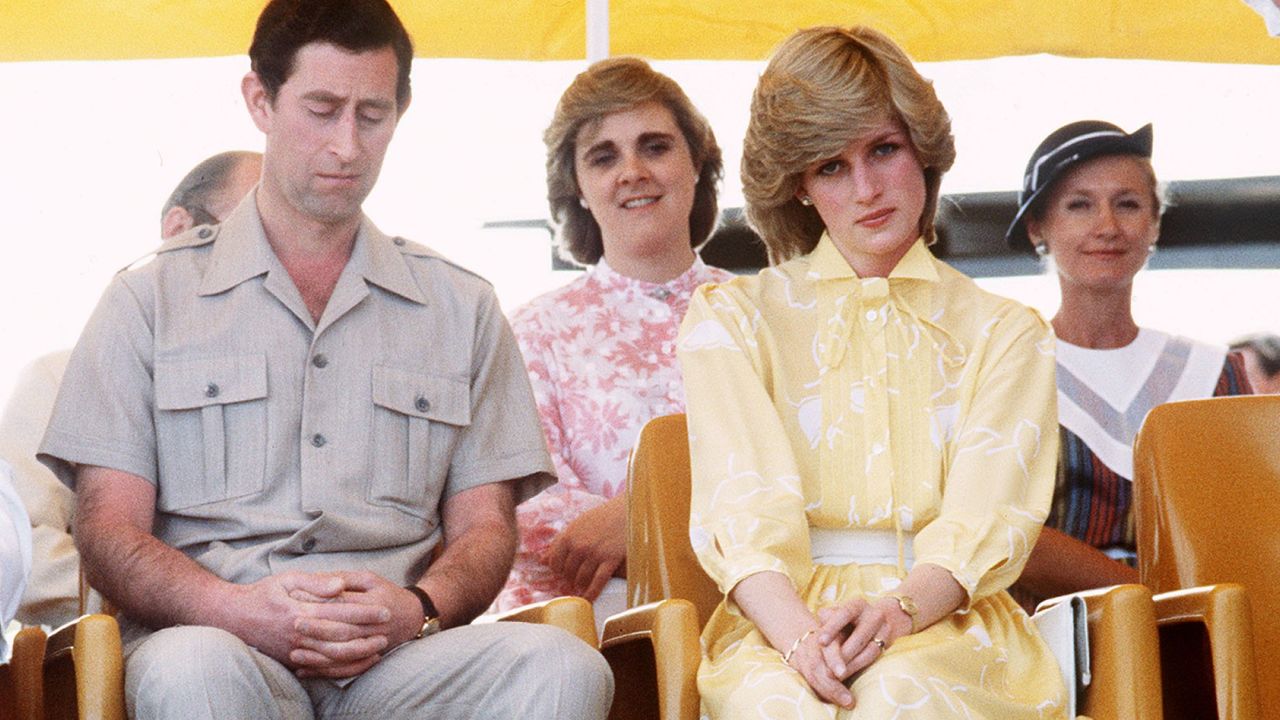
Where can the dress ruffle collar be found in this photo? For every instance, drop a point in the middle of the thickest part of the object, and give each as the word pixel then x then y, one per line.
pixel 829 264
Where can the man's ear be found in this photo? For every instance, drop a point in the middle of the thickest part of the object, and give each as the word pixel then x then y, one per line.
pixel 256 99
pixel 176 221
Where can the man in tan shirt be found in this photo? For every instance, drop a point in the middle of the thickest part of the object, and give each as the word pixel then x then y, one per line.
pixel 274 426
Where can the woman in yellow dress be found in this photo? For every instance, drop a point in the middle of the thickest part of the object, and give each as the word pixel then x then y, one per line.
pixel 873 437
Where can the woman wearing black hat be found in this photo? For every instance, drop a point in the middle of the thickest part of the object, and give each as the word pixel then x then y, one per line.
pixel 871 434
pixel 1090 204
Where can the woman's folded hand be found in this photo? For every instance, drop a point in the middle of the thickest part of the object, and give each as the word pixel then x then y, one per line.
pixel 592 548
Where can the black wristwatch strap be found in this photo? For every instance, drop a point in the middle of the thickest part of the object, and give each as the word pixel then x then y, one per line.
pixel 429 611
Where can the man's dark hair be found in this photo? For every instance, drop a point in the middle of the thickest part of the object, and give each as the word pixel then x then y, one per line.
pixel 285 26
pixel 195 191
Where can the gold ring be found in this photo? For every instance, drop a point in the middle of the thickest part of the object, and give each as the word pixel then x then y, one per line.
pixel 879 643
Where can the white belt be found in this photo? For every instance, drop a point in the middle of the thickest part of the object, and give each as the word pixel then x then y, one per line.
pixel 861 547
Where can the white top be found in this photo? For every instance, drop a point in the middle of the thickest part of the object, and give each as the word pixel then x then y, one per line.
pixel 15 551
pixel 1104 395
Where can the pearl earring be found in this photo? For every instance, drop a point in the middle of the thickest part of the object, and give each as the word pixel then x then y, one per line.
pixel 1151 249
pixel 1042 250
pixel 805 200
pixel 582 202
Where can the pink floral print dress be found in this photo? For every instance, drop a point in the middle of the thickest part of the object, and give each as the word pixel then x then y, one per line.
pixel 601 356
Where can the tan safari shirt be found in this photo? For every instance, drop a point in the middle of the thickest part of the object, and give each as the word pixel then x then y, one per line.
pixel 276 443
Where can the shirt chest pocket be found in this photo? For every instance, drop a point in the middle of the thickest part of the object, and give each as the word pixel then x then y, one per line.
pixel 211 429
pixel 417 420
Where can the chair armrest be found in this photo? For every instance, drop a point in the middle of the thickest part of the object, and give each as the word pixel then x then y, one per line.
pixel 26 667
pixel 87 653
pixel 1124 654
pixel 573 614
pixel 659 639
pixel 1223 611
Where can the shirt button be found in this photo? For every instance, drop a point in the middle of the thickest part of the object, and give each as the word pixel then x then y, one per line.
pixel 398 241
pixel 203 233
pixel 318 440
pixel 319 360
pixel 309 544
pixel 422 404
pixel 871 316
pixel 211 390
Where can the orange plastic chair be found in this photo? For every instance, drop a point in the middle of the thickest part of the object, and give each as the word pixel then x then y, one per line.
pixel 1124 654
pixel 84 671
pixel 1206 499
pixel 654 647
pixel 21 682
pixel 76 673
pixel 572 614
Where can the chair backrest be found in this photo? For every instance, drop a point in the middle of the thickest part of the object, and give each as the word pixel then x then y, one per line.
pixel 660 559
pixel 1207 510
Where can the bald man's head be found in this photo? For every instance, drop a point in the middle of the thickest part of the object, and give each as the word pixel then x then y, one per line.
pixel 210 191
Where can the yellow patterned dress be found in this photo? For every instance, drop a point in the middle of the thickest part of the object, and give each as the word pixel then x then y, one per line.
pixel 918 406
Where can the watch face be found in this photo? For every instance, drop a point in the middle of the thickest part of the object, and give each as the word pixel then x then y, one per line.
pixel 430 626
pixel 907 604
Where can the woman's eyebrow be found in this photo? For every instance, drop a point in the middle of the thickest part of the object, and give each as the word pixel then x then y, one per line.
pixel 655 135
pixel 597 147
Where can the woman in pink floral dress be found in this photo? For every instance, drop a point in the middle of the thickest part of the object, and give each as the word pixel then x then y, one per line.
pixel 632 170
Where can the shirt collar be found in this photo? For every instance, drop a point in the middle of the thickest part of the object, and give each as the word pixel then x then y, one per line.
pixel 827 262
pixel 242 251
pixel 381 260
pixel 682 284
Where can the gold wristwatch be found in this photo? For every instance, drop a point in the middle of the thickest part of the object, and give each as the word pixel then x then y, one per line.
pixel 908 606
pixel 430 616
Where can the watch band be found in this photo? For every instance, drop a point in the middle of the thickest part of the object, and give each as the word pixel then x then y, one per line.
pixel 430 616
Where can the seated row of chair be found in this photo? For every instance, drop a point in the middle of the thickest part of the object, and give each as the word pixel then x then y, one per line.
pixel 1188 643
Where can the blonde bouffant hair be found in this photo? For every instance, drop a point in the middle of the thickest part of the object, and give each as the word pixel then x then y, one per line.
pixel 610 86
pixel 824 87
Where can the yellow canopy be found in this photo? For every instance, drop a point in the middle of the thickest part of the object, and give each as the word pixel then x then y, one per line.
pixel 1222 31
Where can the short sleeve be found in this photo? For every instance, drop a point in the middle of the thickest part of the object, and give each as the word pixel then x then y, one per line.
pixel 1001 463
pixel 747 511
pixel 103 414
pixel 504 440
